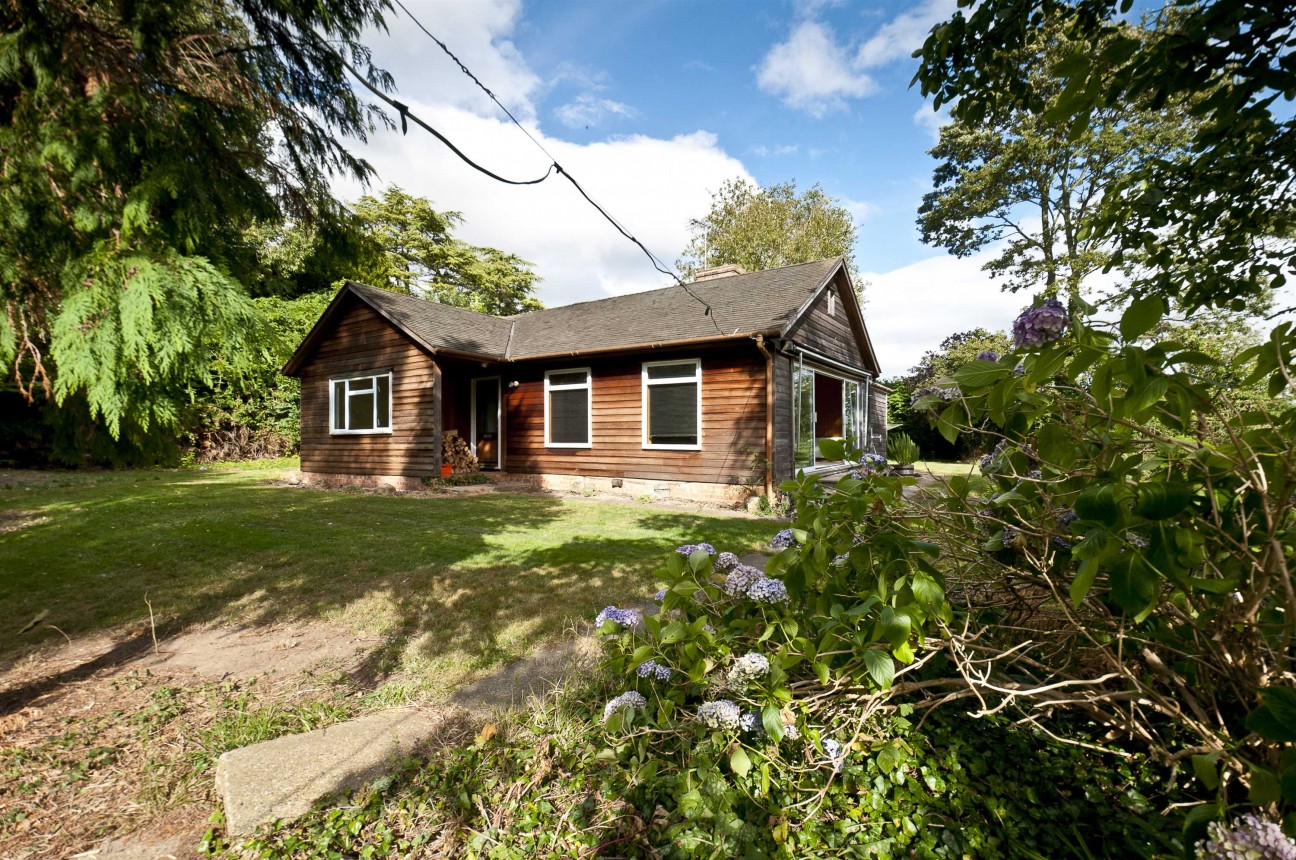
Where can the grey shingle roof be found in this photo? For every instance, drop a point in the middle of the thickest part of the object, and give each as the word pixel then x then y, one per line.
pixel 740 304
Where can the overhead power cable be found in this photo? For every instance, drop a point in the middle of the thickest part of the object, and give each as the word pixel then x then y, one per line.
pixel 554 165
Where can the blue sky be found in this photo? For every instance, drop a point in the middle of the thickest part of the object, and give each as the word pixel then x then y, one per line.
pixel 652 105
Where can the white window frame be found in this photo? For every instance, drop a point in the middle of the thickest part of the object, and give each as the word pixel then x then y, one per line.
pixel 588 386
pixel 832 303
pixel 374 376
pixel 674 380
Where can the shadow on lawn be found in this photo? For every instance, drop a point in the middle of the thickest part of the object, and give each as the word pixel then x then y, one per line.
pixel 482 576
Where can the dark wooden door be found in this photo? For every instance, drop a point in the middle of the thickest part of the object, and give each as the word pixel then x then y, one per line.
pixel 486 421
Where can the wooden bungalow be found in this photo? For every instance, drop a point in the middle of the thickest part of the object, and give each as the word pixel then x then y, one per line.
pixel 647 393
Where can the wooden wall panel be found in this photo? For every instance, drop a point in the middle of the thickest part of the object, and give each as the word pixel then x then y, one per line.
pixel 733 420
pixel 783 443
pixel 361 341
pixel 830 335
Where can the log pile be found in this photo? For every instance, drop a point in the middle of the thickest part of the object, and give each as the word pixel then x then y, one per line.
pixel 456 454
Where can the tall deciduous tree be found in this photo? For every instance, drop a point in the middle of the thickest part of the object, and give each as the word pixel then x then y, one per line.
pixel 416 253
pixel 1018 179
pixel 764 228
pixel 1213 227
pixel 138 142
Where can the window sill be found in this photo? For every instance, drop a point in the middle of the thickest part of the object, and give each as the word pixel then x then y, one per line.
pixel 568 445
pixel 672 447
pixel 386 432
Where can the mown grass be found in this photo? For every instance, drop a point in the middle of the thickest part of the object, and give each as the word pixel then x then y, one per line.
pixel 449 586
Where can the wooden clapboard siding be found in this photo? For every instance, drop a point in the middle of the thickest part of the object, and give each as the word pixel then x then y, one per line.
pixel 830 335
pixel 360 341
pixel 783 443
pixel 878 418
pixel 733 420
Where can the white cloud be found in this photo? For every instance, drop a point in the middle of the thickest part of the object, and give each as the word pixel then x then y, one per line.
pixel 860 210
pixel 764 151
pixel 588 110
pixel 913 308
pixel 812 72
pixel 478 32
pixel 652 186
pixel 932 121
pixel 901 36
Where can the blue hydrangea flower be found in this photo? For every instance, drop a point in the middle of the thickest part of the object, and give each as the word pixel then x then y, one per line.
pixel 1019 369
pixel 836 755
pixel 1035 475
pixel 740 578
pixel 690 548
pixel 987 355
pixel 841 559
pixel 747 669
pixel 1061 544
pixel 726 561
pixel 750 722
pixel 782 540
pixel 1010 536
pixel 659 595
pixel 653 669
pixel 1039 325
pixel 628 699
pixel 720 714
pixel 1066 518
pixel 624 617
pixel 1250 838
pixel 766 590
pixel 945 393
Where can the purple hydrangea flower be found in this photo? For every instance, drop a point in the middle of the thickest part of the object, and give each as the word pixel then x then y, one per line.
pixel 750 722
pixel 873 462
pixel 766 590
pixel 1066 518
pixel 624 617
pixel 629 699
pixel 1035 475
pixel 944 393
pixel 836 755
pixel 1136 540
pixel 726 561
pixel 720 714
pixel 660 595
pixel 1019 369
pixel 740 578
pixel 653 669
pixel 690 548
pixel 1010 536
pixel 841 559
pixel 782 540
pixel 987 355
pixel 1039 325
pixel 1251 838
pixel 1061 544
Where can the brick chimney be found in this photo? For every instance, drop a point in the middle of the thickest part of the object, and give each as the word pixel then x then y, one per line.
pixel 728 270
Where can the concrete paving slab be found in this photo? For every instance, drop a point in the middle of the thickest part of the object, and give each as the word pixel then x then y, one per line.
pixel 281 778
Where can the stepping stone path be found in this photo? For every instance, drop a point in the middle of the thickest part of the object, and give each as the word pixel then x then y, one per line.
pixel 282 778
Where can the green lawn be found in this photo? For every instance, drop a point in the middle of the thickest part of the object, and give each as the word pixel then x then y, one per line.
pixel 944 470
pixel 449 585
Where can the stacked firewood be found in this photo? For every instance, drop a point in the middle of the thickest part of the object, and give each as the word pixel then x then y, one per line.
pixel 456 453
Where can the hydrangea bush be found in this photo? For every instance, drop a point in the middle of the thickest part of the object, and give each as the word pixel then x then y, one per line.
pixel 749 676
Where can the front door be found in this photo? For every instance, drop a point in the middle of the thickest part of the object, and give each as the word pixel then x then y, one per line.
pixel 486 422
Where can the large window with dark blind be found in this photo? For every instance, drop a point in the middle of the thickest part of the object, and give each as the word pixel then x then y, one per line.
pixel 361 404
pixel 672 404
pixel 567 408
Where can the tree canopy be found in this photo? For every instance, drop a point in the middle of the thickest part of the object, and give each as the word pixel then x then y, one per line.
pixel 764 228
pixel 139 141
pixel 413 251
pixel 1213 227
pixel 1017 179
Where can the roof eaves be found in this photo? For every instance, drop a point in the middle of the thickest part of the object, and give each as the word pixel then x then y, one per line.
pixel 810 300
pixel 661 344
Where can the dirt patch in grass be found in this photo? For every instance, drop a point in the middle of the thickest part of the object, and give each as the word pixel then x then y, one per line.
pixel 117 756
pixel 12 521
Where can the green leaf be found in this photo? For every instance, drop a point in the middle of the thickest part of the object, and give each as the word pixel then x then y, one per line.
pixel 832 449
pixel 772 721
pixel 948 422
pixel 1265 787
pixel 896 626
pixel 881 668
pixel 889 757
pixel 1206 768
pixel 1160 501
pixel 1098 502
pixel 1083 583
pixel 1141 316
pixel 739 763
pixel 980 373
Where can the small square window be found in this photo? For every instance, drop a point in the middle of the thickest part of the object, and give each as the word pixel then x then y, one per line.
pixel 567 408
pixel 361 404
pixel 672 404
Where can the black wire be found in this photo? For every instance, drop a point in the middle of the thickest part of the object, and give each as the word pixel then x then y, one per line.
pixel 406 114
pixel 657 263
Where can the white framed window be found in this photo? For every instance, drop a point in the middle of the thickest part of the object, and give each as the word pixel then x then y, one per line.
pixel 361 404
pixel 672 404
pixel 568 420
pixel 832 304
